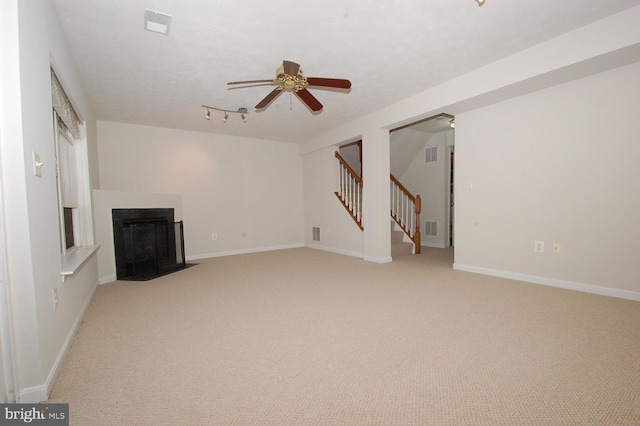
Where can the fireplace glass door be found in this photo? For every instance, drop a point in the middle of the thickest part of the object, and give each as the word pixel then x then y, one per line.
pixel 147 244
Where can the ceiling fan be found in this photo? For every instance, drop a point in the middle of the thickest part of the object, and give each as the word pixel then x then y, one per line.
pixel 289 78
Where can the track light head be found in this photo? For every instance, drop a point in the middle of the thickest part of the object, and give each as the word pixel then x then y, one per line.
pixel 224 119
pixel 208 114
pixel 244 117
pixel 480 2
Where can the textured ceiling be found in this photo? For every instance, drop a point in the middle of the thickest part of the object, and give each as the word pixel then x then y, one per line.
pixel 389 49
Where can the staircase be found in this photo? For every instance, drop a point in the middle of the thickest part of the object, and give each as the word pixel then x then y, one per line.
pixel 405 208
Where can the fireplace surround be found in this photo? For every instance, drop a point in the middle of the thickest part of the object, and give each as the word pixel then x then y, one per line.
pixel 147 243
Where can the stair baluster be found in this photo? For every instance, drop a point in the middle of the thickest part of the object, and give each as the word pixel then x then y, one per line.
pixel 405 210
pixel 350 190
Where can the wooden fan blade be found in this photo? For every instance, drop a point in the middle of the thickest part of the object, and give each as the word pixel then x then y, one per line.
pixel 269 98
pixel 338 83
pixel 306 97
pixel 290 68
pixel 250 81
pixel 271 83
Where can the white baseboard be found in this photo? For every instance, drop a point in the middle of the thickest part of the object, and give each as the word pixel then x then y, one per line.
pixel 109 279
pixel 33 395
pixel 40 393
pixel 435 245
pixel 351 253
pixel 378 259
pixel 335 250
pixel 55 369
pixel 552 282
pixel 243 251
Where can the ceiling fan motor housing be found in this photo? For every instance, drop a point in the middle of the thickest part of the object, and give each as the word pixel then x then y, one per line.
pixel 291 83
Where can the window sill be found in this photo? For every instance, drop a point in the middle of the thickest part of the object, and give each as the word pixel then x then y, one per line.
pixel 72 261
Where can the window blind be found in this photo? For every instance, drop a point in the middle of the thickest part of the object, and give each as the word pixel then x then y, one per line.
pixel 63 107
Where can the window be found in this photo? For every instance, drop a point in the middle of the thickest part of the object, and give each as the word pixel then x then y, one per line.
pixel 67 175
pixel 72 174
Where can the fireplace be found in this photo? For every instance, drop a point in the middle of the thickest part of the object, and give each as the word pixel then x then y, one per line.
pixel 148 243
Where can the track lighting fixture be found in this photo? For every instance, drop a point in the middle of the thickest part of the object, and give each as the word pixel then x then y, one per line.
pixel 241 111
pixel 480 2
pixel 452 123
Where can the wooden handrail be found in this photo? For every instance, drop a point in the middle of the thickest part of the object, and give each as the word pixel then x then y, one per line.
pixel 413 229
pixel 350 191
pixel 402 187
pixel 349 169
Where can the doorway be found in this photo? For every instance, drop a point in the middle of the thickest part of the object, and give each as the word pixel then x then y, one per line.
pixel 422 157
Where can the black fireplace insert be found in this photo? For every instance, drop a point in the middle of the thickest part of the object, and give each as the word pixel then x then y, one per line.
pixel 148 243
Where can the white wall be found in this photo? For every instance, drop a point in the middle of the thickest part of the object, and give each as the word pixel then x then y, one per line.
pixel 338 231
pixel 247 191
pixel 558 165
pixel 350 153
pixel 405 145
pixel 32 41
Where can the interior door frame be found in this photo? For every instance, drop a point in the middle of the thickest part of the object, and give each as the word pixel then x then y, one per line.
pixel 7 369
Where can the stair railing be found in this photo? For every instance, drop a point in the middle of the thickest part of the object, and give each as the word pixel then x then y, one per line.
pixel 405 210
pixel 349 190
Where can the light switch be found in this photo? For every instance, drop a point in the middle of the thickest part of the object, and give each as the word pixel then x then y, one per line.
pixel 37 164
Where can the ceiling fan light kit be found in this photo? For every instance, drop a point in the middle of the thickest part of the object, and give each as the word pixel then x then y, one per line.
pixel 290 78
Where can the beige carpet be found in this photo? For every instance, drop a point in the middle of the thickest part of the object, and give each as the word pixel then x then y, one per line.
pixel 305 337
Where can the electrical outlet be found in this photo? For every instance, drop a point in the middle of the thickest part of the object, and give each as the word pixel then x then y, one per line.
pixel 214 236
pixel 556 247
pixel 55 298
pixel 538 246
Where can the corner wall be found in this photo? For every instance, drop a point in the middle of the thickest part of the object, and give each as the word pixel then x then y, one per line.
pixel 246 191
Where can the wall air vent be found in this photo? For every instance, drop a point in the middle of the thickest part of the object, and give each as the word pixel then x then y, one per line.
pixel 431 229
pixel 431 154
pixel 316 233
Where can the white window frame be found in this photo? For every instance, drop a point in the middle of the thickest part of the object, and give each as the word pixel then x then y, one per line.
pixel 72 181
pixel 67 183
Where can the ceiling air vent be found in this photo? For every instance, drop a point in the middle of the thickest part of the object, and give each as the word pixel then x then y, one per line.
pixel 157 22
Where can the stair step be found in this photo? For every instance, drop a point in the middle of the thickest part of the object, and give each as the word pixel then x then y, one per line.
pixel 401 249
pixel 397 237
